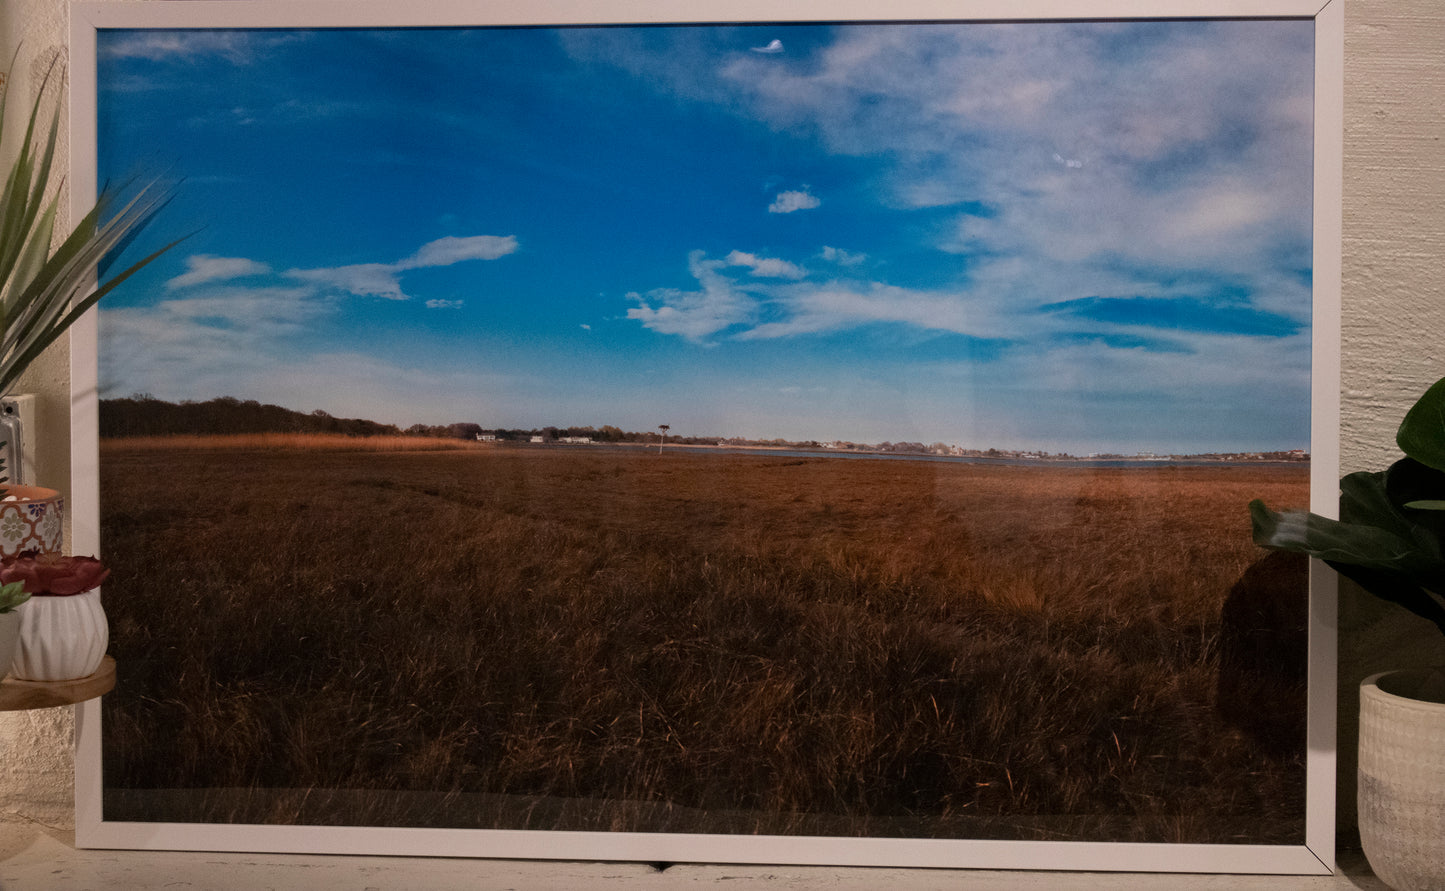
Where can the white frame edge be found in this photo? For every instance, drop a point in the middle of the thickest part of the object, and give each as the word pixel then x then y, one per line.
pixel 1315 857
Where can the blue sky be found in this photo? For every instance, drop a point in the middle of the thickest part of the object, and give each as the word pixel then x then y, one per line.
pixel 1071 237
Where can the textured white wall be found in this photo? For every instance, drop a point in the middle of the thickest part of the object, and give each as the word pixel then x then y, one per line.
pixel 1393 312
pixel 1394 233
pixel 1394 238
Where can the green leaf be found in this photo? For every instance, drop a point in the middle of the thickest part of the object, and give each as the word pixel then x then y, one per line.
pixel 1422 433
pixel 12 595
pixel 1375 544
pixel 1426 505
pixel 1357 544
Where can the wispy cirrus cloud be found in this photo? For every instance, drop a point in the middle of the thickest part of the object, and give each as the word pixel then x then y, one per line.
pixel 203 268
pixel 383 279
pixel 226 314
pixel 1048 126
pixel 1002 303
pixel 359 279
pixel 717 305
pixel 1054 159
pixel 744 310
pixel 236 46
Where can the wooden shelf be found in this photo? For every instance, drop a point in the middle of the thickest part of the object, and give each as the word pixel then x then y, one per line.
pixel 18 695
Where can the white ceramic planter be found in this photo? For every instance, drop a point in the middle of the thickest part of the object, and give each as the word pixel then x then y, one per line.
pixel 9 637
pixel 61 638
pixel 1402 779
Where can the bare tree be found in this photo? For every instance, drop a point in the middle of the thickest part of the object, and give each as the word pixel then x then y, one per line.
pixel 664 428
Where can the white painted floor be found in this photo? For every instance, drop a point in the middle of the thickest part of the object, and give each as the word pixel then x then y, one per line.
pixel 36 859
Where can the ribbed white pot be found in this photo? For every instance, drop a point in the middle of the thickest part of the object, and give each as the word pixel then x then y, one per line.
pixel 9 637
pixel 1402 779
pixel 61 638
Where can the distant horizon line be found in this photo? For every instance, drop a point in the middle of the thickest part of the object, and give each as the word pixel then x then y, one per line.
pixel 840 444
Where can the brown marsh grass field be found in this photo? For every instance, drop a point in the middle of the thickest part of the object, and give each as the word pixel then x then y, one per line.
pixel 613 639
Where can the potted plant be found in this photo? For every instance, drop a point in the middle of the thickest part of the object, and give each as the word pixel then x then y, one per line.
pixel 1390 539
pixel 44 289
pixel 11 596
pixel 63 632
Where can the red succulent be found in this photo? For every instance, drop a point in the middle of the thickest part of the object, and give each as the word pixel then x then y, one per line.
pixel 52 575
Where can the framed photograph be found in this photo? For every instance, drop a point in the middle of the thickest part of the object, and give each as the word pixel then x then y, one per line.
pixel 714 432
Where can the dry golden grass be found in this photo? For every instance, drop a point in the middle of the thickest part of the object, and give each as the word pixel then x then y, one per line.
pixel 597 639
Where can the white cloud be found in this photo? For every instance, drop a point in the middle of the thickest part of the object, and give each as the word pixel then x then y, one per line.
pixel 1086 143
pixel 842 257
pixel 766 311
pixel 765 267
pixel 774 46
pixel 203 268
pixel 198 345
pixel 382 279
pixel 449 250
pixel 816 309
pixel 1101 145
pixel 790 201
pixel 695 315
pixel 362 279
pixel 236 47
pixel 220 331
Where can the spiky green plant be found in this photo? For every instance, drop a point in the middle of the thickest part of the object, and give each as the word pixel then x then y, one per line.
pixel 1390 537
pixel 44 290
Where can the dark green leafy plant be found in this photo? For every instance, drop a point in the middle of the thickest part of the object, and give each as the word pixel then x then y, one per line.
pixel 43 291
pixel 1390 537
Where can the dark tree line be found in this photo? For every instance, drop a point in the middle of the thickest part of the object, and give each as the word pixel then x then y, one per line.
pixel 147 416
pixel 605 434
pixel 144 415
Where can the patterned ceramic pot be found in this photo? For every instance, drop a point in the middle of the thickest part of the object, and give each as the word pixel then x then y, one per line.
pixel 61 638
pixel 1402 778
pixel 9 637
pixel 30 520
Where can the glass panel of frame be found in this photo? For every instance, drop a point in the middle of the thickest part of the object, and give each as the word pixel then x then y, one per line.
pixel 633 432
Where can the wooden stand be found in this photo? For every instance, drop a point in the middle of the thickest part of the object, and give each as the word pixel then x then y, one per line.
pixel 17 695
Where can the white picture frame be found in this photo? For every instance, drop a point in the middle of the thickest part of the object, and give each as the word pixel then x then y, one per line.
pixel 1314 856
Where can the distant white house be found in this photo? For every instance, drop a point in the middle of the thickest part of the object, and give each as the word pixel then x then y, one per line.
pixel 577 440
pixel 486 437
pixel 536 439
